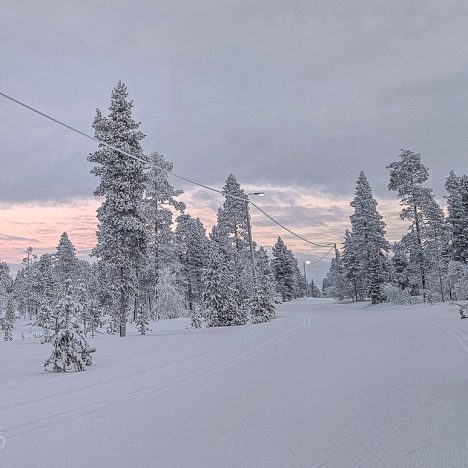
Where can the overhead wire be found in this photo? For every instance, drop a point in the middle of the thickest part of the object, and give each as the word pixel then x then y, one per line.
pixel 147 161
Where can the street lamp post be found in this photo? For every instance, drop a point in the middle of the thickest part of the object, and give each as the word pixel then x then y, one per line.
pixel 306 262
pixel 249 229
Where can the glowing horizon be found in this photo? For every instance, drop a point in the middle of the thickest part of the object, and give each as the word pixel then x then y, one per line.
pixel 312 213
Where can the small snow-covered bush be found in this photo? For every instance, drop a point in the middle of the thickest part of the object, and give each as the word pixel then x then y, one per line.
pixel 462 309
pixel 142 321
pixel 398 296
pixel 197 316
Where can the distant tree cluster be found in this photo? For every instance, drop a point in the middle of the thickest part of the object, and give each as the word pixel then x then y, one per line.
pixel 430 262
pixel 153 260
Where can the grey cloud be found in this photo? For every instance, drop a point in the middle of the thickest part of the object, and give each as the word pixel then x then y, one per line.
pixel 280 92
pixel 8 238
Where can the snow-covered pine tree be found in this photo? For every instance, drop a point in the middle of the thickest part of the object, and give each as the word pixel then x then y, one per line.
pixel 262 308
pixel 70 351
pixel 407 176
pixel 159 201
pixel 231 234
pixel 284 271
pixel 399 264
pixel 192 246
pixel 121 235
pixel 366 246
pixel 427 243
pixel 457 205
pixel 436 240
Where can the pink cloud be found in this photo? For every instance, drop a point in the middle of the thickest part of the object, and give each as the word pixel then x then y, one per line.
pixel 312 213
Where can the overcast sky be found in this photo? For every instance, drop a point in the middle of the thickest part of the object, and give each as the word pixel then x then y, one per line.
pixel 295 96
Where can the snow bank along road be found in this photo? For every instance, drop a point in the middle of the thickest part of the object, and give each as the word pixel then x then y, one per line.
pixel 324 385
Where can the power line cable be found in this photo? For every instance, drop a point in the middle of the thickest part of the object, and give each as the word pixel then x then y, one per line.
pixel 148 162
pixel 328 244
pixel 323 257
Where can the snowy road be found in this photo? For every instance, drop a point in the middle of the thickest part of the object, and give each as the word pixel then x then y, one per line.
pixel 324 385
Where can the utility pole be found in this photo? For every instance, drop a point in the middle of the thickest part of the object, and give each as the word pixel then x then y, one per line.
pixel 249 229
pixel 305 262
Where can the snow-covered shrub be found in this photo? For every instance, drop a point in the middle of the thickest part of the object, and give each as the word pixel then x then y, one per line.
pixel 433 296
pixel 197 316
pixel 462 309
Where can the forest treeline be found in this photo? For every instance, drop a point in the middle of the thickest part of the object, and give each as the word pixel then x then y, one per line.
pixel 430 262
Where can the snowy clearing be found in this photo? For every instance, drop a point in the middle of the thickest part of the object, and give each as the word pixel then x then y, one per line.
pixel 325 384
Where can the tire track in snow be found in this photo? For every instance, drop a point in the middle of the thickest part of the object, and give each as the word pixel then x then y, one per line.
pixel 154 391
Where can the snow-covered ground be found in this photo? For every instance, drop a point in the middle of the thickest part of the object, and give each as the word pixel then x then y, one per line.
pixel 324 385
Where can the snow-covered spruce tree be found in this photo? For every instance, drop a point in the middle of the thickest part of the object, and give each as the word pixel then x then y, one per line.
pixel 335 283
pixel 366 246
pixel 65 260
pixel 95 319
pixel 159 201
pixel 8 319
pixel 284 271
pixel 5 283
pixel 219 296
pixel 121 235
pixel 48 293
pixel 262 308
pixel 25 286
pixel 407 176
pixel 169 301
pixel 192 245
pixel 70 351
pixel 299 280
pixel 376 277
pixel 457 206
pixel 352 266
pixel 314 290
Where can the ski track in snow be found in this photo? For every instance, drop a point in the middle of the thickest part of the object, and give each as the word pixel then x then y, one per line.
pixel 149 393
pixel 324 385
